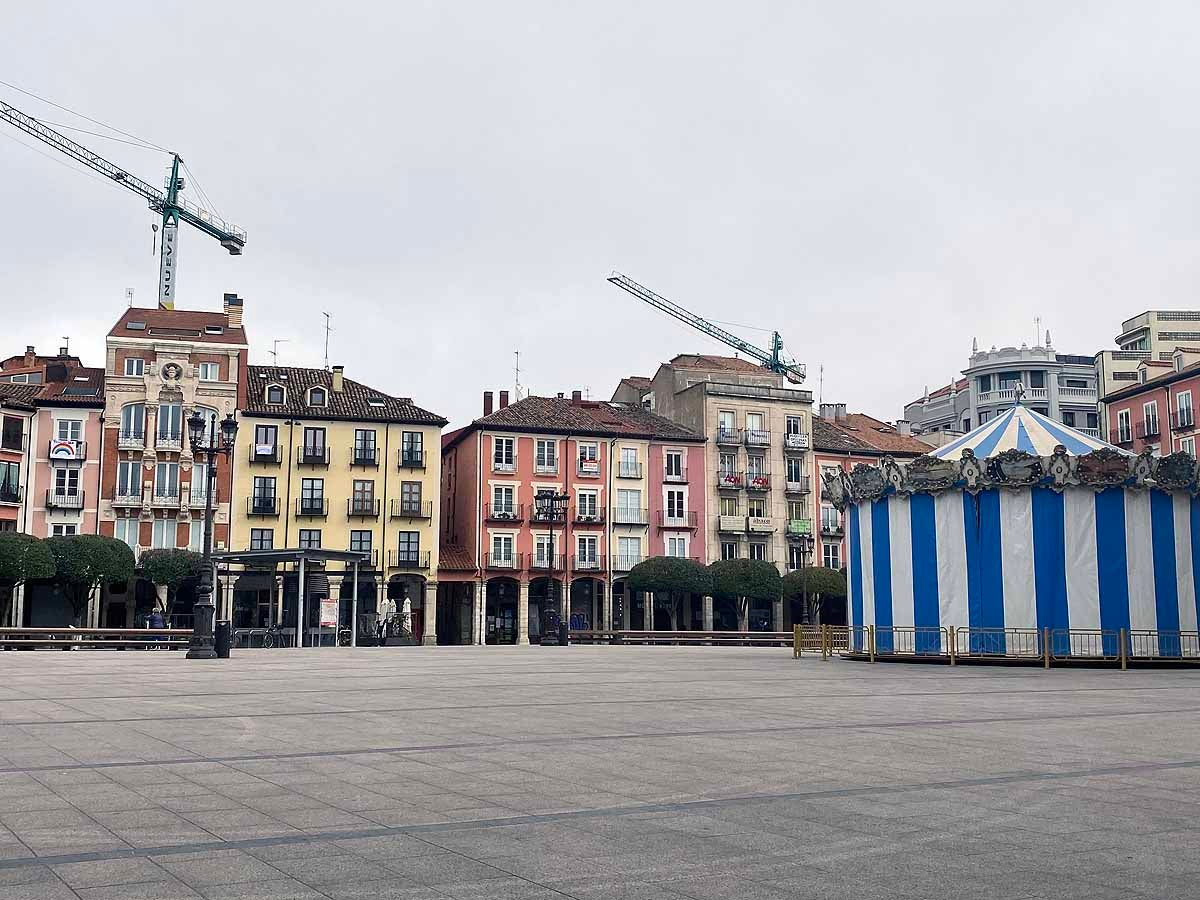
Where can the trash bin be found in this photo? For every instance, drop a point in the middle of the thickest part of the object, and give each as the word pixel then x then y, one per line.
pixel 222 633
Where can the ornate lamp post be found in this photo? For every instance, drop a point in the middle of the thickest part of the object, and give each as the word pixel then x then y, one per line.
pixel 551 505
pixel 210 446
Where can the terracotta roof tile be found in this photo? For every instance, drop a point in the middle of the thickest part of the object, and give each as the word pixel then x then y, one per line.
pixel 827 436
pixel 19 396
pixel 709 362
pixel 178 324
pixel 882 436
pixel 84 387
pixel 560 415
pixel 354 401
pixel 638 382
pixel 455 558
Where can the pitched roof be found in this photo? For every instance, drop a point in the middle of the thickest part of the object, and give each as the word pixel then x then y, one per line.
pixel 455 558
pixel 84 387
pixel 961 385
pixel 560 415
pixel 18 396
pixel 711 363
pixel 354 401
pixel 827 436
pixel 1157 381
pixel 178 325
pixel 638 382
pixel 860 433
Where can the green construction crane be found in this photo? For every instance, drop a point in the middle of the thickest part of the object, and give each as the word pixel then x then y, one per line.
pixel 173 208
pixel 774 359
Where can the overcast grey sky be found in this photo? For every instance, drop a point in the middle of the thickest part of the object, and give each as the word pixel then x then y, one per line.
pixel 453 181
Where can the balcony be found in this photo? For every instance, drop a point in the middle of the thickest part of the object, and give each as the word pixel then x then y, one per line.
pixel 729 436
pixel 830 528
pixel 60 450
pixel 731 524
pixel 540 516
pixel 588 517
pixel 362 508
pixel 625 516
pixel 411 459
pixel 629 470
pixel 412 509
pixel 731 481
pixel 623 562
pixel 1077 394
pixel 801 485
pixel 132 498
pixel 758 481
pixel 168 440
pixel 131 440
pixel 265 453
pixel 1182 420
pixel 545 468
pixel 757 438
pixel 682 520
pixel 364 456
pixel 1147 430
pixel 542 562
pixel 312 456
pixel 408 559
pixel 312 507
pixel 513 562
pixel 262 506
pixel 679 477
pixel 165 498
pixel 64 499
pixel 587 563
pixel 760 524
pixel 372 561
pixel 587 468
pixel 504 468
pixel 1124 437
pixel 796 440
pixel 512 513
pixel 799 528
pixel 197 497
pixel 10 493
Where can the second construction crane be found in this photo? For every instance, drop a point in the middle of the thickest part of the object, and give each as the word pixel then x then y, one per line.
pixel 173 208
pixel 773 359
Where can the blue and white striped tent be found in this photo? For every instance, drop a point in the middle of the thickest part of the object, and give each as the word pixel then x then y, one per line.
pixel 1069 556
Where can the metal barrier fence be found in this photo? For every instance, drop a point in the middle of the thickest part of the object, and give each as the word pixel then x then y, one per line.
pixel 954 643
pixel 94 638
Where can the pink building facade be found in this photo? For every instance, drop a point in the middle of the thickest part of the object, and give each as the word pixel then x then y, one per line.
pixel 635 488
pixel 1157 413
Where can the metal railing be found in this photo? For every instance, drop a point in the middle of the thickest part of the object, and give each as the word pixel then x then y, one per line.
pixel 1147 429
pixel 312 456
pixel 411 509
pixel 312 506
pixel 10 493
pixel 587 468
pixel 587 563
pixel 758 481
pixel 544 563
pixel 585 517
pixel 801 485
pixel 56 499
pixel 757 438
pixel 65 449
pixel 686 519
pixel 511 561
pixel 131 440
pixel 545 468
pixel 729 435
pixel 364 456
pixel 1182 420
pixel 625 516
pixel 172 440
pixel 127 499
pixel 362 508
pixel 629 470
pixel 262 453
pixel 504 512
pixel 542 515
pixel 408 559
pixel 262 506
pixel 731 480
pixel 165 497
pixel 623 562
pixel 412 459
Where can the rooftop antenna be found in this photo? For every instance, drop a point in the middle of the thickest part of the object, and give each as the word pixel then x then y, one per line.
pixel 275 349
pixel 129 295
pixel 517 375
pixel 327 330
pixel 1037 331
pixel 66 346
pixel 820 385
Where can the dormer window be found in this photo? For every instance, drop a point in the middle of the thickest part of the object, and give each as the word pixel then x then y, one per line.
pixel 275 395
pixel 317 396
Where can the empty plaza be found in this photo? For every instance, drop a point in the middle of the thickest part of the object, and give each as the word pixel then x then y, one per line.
pixel 590 772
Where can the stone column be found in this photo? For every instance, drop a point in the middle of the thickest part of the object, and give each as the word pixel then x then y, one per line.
pixel 777 614
pixel 606 623
pixel 429 630
pixel 479 613
pixel 687 613
pixel 523 614
pixel 625 607
pixel 707 612
pixel 18 606
pixel 744 615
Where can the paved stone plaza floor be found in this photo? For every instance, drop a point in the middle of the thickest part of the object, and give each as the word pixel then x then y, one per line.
pixel 590 773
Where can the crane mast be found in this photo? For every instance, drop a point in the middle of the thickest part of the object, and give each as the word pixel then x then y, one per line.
pixel 173 208
pixel 774 359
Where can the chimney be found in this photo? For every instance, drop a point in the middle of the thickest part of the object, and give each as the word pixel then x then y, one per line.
pixel 840 411
pixel 64 351
pixel 560 395
pixel 338 383
pixel 233 310
pixel 30 356
pixel 576 396
pixel 903 426
pixel 487 403
pixel 503 399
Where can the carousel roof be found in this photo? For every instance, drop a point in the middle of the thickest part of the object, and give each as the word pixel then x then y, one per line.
pixel 1022 429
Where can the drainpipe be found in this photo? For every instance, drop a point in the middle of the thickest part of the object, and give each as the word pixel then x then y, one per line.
pixel 608 498
pixel 100 478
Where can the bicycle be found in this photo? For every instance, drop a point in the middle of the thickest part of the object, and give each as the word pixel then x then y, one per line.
pixel 272 637
pixel 344 637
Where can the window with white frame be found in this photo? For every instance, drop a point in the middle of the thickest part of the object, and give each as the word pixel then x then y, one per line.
pixel 69 429
pixel 589 459
pixel 629 507
pixel 504 454
pixel 795 469
pixel 166 480
pixel 135 365
pixel 630 465
pixel 546 455
pixel 129 478
pixel 629 549
pixel 503 500
pixel 1150 417
pixel 755 466
pixel 543 551
pixel 63 530
pixel 502 549
pixel 127 530
pixel 66 482
pixel 1188 445
pixel 831 555
pixel 726 423
pixel 195 536
pixel 170 421
pixel 729 506
pixel 831 519
pixel 587 551
pixel 1124 430
pixel 677 546
pixel 673 465
pixel 729 550
pixel 209 371
pixel 1183 409
pixel 795 557
pixel 586 505
pixel 133 420
pixel 317 397
pixel 675 504
pixel 275 395
pixel 756 507
pixel 796 510
pixel 795 425
pixel 728 463
pixel 757 551
pixel 162 534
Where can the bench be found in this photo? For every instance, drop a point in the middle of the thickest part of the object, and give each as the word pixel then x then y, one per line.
pixel 94 638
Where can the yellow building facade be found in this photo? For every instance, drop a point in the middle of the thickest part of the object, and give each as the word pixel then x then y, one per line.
pixel 324 462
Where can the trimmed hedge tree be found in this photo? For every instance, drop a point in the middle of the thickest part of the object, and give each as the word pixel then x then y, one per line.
pixel 743 580
pixel 811 583
pixel 23 557
pixel 84 562
pixel 672 579
pixel 169 569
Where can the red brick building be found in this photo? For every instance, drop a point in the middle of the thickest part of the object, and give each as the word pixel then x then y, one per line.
pixel 1157 411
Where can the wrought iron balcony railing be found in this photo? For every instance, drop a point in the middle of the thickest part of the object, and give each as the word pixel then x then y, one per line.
pixel 625 516
pixel 412 509
pixel 588 517
pixel 510 561
pixel 67 499
pixel 411 459
pixel 364 456
pixel 316 455
pixel 265 453
pixel 408 559
pixel 686 519
pixel 262 506
pixel 504 512
pixel 362 508
pixel 312 507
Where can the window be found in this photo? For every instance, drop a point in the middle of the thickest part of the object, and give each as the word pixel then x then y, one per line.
pixel 546 455
pixel 1124 431
pixel 1188 445
pixel 757 507
pixel 317 397
pixel 755 466
pixel 360 541
pixel 589 459
pixel 363 498
pixel 966 424
pixel 673 463
pixel 266 438
pixel 127 530
pixel 166 480
pixel 196 536
pixel 364 445
pixel 1037 379
pixel 542 551
pixel 630 468
pixel 795 557
pixel 502 548
pixel 1093 421
pixel 1069 418
pixel 262 538
pixel 758 551
pixel 795 425
pixel 210 371
pixel 263 501
pixel 831 556
pixel 629 506
pixel 63 530
pixel 10 481
pixel 312 496
pixel 410 497
pixel 587 550
pixel 314 444
pixel 795 469
pixel 1150 417
pixel 66 482
pixel 12 436
pixel 674 504
pixel 796 510
pixel 135 366
pixel 275 395
pixel 502 500
pixel 729 506
pixel 162 534
pixel 504 454
pixel 830 519
pixel 985 383
pixel 1009 380
pixel 729 550
pixel 586 505
pixel 728 463
pixel 170 421
pixel 984 415
pixel 133 421
pixel 677 546
pixel 754 425
pixel 409 547
pixel 629 549
pixel 310 538
pixel 412 449
pixel 69 429
pixel 129 478
pixel 1183 407
pixel 726 423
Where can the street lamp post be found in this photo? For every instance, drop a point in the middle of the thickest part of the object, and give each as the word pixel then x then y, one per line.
pixel 552 504
pixel 210 446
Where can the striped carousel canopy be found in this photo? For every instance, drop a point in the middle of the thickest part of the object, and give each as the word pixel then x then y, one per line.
pixel 1022 429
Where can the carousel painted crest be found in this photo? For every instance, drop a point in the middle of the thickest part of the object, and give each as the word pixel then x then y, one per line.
pixel 1176 472
pixel 835 486
pixel 928 475
pixel 867 482
pixel 970 472
pixel 1103 468
pixel 1014 469
pixel 1060 469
